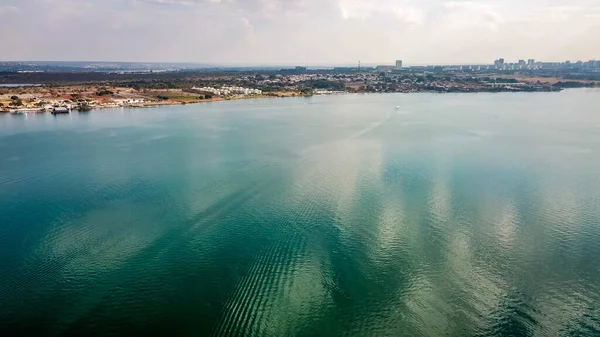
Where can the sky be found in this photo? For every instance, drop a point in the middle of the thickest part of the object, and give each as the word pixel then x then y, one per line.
pixel 299 32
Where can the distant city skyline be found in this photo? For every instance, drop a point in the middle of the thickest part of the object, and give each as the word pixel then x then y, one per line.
pixel 304 32
pixel 389 63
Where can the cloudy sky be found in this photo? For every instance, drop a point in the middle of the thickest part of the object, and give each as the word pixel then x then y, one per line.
pixel 311 32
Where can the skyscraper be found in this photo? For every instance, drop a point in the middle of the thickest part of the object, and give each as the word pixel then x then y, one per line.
pixel 398 64
pixel 499 64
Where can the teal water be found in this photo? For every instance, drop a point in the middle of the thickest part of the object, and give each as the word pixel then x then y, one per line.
pixel 455 215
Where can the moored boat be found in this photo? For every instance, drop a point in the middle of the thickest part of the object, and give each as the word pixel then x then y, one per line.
pixel 60 110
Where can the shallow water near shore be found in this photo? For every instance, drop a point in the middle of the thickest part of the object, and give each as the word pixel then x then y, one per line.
pixel 358 215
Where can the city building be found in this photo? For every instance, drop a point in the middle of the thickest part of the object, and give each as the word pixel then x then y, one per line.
pixel 398 64
pixel 499 63
pixel 227 90
pixel 386 68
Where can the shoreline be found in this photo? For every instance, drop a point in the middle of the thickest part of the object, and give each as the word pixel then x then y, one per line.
pixel 147 105
pixel 173 90
pixel 140 105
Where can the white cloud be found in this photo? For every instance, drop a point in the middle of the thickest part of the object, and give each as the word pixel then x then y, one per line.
pixel 169 2
pixel 402 10
pixel 468 15
pixel 7 10
pixel 303 31
pixel 558 14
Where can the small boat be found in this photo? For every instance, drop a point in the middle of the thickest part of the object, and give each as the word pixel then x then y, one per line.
pixel 30 111
pixel 58 111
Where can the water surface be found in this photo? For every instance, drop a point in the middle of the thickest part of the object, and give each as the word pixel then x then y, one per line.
pixel 466 214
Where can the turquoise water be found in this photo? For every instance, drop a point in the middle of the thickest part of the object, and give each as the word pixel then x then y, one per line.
pixel 466 214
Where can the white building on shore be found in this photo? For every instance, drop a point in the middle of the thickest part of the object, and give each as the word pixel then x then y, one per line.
pixel 224 91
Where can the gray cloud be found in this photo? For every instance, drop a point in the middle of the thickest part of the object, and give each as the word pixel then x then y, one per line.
pixel 300 31
pixel 7 10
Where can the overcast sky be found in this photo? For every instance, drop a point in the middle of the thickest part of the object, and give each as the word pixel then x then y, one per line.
pixel 303 32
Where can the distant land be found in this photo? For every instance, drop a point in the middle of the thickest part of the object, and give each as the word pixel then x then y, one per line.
pixel 141 67
pixel 98 66
pixel 103 66
pixel 40 86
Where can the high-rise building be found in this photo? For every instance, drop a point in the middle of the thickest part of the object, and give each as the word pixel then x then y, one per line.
pixel 522 63
pixel 531 62
pixel 499 63
pixel 398 64
pixel 385 68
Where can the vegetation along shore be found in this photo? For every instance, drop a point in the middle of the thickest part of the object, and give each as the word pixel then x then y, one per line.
pixel 84 91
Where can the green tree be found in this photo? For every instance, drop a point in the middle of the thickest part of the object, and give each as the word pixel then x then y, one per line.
pixel 327 85
pixel 104 92
pixel 306 91
pixel 84 108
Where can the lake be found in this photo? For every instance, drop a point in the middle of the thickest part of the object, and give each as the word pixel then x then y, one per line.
pixel 355 215
pixel 2 85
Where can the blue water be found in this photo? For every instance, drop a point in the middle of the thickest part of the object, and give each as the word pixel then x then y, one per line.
pixel 455 215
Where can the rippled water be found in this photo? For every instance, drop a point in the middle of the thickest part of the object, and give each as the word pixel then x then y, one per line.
pixel 473 214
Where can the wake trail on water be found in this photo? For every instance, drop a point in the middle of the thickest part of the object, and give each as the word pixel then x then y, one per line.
pixel 372 127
